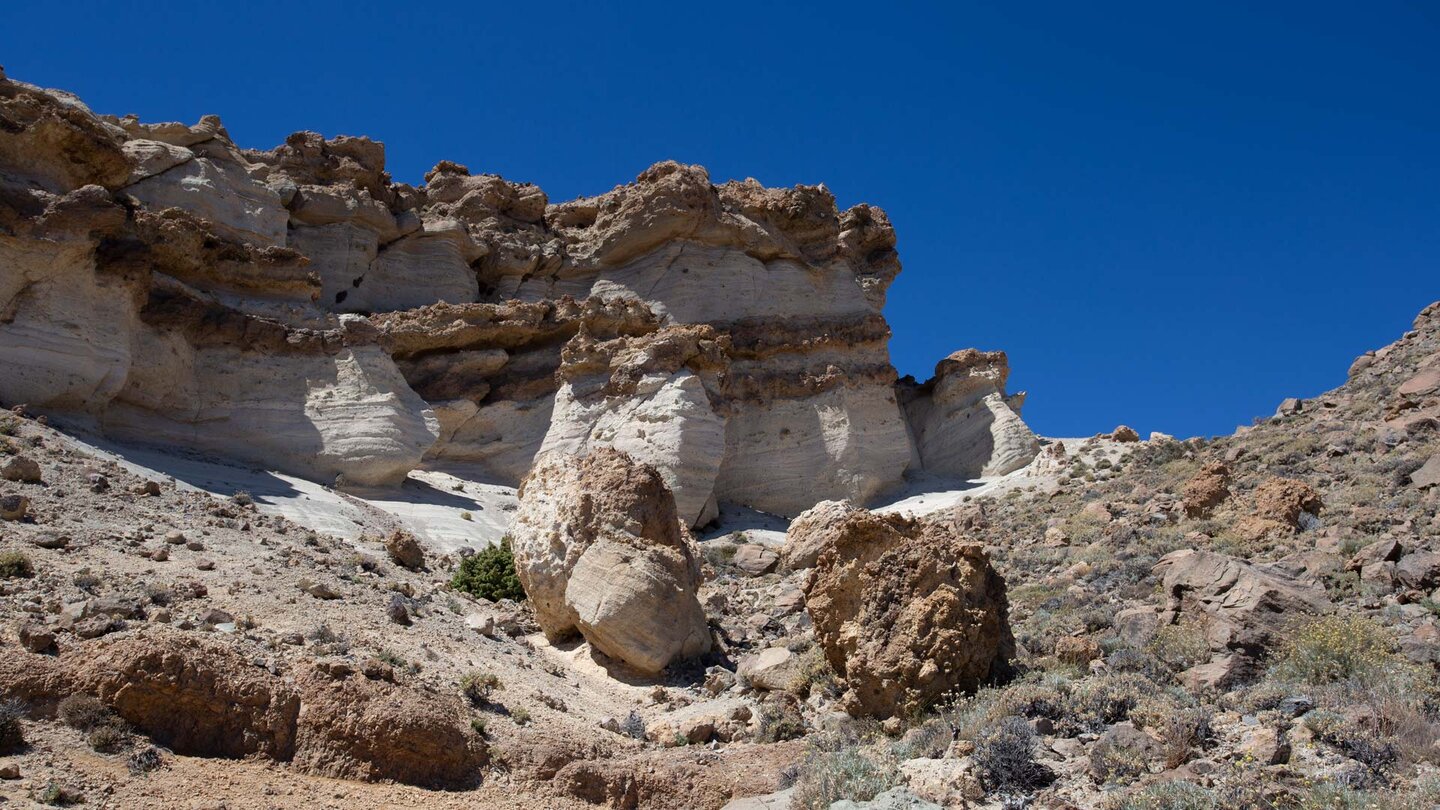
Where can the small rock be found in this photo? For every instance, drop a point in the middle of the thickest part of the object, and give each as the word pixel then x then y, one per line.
pixel 377 670
pixel 397 610
pixel 160 554
pixel 405 550
pixel 195 545
pixel 10 771
pixel 14 507
pixel 216 616
pixel 51 540
pixel 36 639
pixel 97 626
pixel 175 537
pixel 755 559
pixel 319 590
pixel 1296 706
pixel 1420 570
pixel 1266 746
pixel 789 600
pixel 149 488
pixel 775 668
pixel 718 679
pixel 1428 475
pixel 160 616
pixel 98 482
pixel 21 468
pixel 205 565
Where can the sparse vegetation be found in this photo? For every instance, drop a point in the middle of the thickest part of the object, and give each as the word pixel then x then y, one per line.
pixel 1005 756
pixel 477 687
pixel 12 735
pixel 145 760
pixel 856 773
pixel 15 565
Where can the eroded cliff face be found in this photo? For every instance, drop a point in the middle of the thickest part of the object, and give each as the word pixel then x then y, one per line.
pixel 297 308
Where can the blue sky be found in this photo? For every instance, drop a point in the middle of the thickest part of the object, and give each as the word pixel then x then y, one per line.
pixel 1170 216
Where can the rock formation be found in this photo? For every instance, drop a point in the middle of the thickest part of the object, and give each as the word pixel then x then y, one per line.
pixel 964 424
pixel 906 612
pixel 600 551
pixel 298 308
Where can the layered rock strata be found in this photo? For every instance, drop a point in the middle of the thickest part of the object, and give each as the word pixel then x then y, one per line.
pixel 962 421
pixel 298 308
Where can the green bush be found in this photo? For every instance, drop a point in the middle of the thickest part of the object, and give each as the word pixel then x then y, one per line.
pixel 490 574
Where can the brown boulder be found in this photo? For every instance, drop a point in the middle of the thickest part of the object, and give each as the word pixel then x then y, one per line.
pixel 1207 490
pixel 1283 500
pixel 1124 433
pixel 600 549
pixel 21 468
pixel 1246 609
pixel 194 698
pixel 754 559
pixel 405 550
pixel 354 727
pixel 906 613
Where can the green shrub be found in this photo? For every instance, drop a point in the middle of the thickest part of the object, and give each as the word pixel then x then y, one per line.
pixel 779 721
pixel 107 739
pixel 857 774
pixel 15 565
pixel 1180 646
pixel 1096 703
pixel 490 574
pixel 57 795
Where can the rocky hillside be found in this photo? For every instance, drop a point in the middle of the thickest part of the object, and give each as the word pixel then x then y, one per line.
pixel 745 566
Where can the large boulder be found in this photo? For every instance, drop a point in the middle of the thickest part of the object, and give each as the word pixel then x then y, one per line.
pixel 1207 490
pixel 906 612
pixel 600 550
pixel 1245 610
pixel 812 531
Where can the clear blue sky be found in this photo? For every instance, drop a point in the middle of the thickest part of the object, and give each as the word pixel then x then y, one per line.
pixel 1169 217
